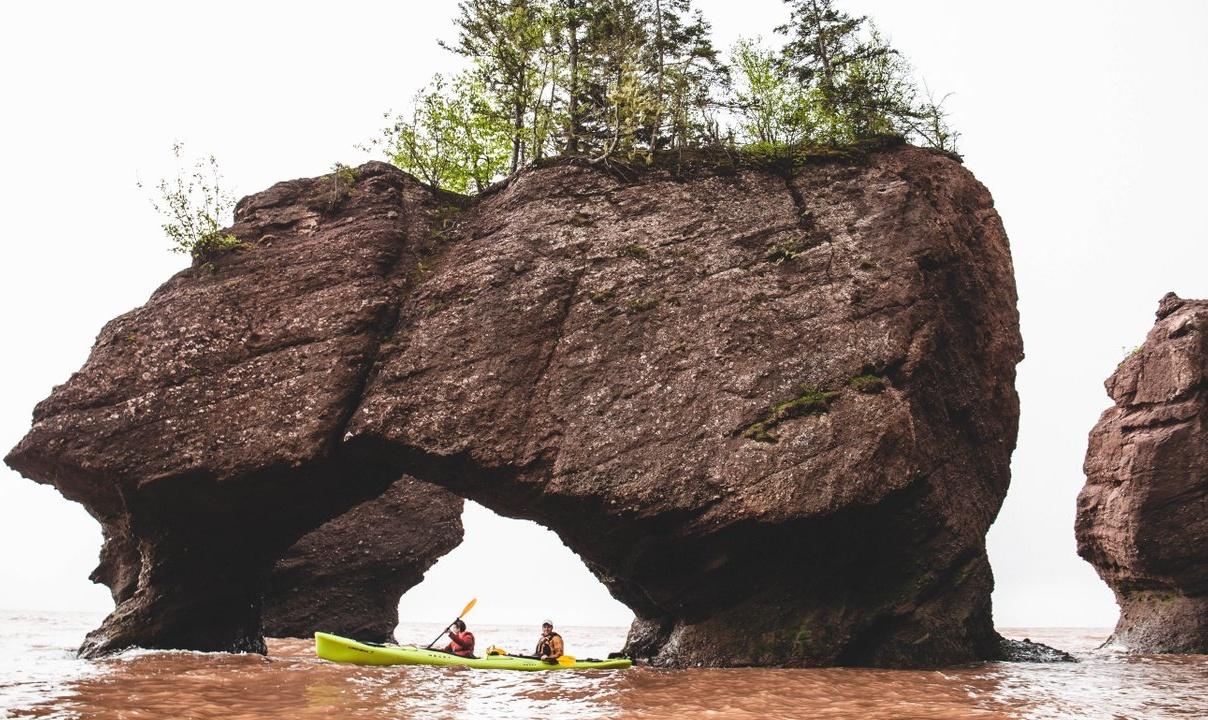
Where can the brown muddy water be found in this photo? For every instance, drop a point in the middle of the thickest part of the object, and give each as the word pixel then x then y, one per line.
pixel 40 677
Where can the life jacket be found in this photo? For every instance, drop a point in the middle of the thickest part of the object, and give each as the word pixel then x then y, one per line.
pixel 545 646
pixel 462 644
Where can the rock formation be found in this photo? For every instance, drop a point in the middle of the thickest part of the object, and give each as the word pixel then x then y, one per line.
pixel 1143 514
pixel 205 431
pixel 773 410
pixel 347 575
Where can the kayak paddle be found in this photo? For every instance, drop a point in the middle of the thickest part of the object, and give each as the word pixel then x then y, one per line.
pixel 566 660
pixel 464 611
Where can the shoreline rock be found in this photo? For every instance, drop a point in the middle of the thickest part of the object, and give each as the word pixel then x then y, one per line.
pixel 1143 514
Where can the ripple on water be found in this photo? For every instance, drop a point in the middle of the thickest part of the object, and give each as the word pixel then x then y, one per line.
pixel 49 682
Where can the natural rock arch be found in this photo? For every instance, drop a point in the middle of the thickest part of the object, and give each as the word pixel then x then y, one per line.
pixel 772 411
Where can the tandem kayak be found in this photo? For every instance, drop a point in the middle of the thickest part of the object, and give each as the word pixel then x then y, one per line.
pixel 344 650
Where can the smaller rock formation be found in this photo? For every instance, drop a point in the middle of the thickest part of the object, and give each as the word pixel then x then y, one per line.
pixel 347 575
pixel 1143 514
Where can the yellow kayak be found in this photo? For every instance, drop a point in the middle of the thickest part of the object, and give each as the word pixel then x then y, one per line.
pixel 343 650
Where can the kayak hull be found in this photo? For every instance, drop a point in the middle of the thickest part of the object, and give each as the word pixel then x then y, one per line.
pixel 344 650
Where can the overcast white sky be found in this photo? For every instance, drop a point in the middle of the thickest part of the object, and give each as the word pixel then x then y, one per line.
pixel 1083 118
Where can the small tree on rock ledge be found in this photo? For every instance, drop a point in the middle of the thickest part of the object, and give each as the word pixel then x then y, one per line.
pixel 193 206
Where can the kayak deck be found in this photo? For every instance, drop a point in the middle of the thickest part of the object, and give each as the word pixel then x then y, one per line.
pixel 344 650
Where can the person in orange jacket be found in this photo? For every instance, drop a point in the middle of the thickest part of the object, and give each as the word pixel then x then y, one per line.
pixel 461 641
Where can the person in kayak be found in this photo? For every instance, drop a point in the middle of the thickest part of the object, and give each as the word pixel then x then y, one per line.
pixel 461 641
pixel 549 645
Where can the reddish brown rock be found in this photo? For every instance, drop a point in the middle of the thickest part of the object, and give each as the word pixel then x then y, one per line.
pixel 772 412
pixel 662 373
pixel 205 429
pixel 1143 514
pixel 347 575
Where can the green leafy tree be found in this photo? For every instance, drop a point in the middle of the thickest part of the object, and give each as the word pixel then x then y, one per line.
pixel 195 207
pixel 822 43
pixel 773 109
pixel 452 139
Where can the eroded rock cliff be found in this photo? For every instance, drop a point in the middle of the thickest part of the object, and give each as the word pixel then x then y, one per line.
pixel 205 431
pixel 1143 514
pixel 773 411
pixel 347 575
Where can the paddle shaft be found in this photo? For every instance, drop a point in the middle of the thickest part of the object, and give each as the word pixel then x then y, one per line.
pixel 442 634
pixel 464 610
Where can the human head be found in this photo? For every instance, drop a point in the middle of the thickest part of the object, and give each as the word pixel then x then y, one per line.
pixel 547 627
pixel 459 625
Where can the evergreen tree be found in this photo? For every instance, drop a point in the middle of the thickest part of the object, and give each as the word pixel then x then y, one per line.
pixel 689 71
pixel 615 100
pixel 568 18
pixel 861 87
pixel 821 43
pixel 504 38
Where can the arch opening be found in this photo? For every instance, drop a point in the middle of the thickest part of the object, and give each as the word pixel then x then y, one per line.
pixel 521 573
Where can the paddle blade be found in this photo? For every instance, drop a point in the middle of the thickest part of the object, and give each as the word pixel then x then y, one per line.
pixel 566 660
pixel 469 606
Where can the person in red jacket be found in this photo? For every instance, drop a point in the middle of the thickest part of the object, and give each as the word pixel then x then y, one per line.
pixel 461 641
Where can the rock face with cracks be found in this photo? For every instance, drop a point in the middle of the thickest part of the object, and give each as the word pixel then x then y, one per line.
pixel 1143 514
pixel 347 575
pixel 205 431
pixel 772 410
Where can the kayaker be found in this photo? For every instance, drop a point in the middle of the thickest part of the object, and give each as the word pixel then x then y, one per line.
pixel 549 645
pixel 461 641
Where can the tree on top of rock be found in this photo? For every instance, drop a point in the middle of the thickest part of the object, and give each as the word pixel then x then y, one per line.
pixel 504 38
pixel 860 86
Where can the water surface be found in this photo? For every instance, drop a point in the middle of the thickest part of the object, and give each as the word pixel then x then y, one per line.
pixel 40 677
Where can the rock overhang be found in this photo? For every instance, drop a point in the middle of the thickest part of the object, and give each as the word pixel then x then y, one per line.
pixel 638 366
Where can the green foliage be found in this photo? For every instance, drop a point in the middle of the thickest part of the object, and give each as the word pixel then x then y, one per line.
pixel 453 140
pixel 624 80
pixel 344 175
pixel 512 48
pixel 1129 354
pixel 772 110
pixel 782 252
pixel 643 304
pixel 193 206
pixel 810 400
pixel 636 251
pixel 868 384
pixel 342 180
pixel 858 86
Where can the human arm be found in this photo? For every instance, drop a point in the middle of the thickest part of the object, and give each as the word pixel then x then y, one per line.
pixel 461 642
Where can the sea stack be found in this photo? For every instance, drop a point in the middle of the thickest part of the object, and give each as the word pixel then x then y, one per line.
pixel 1143 514
pixel 772 407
